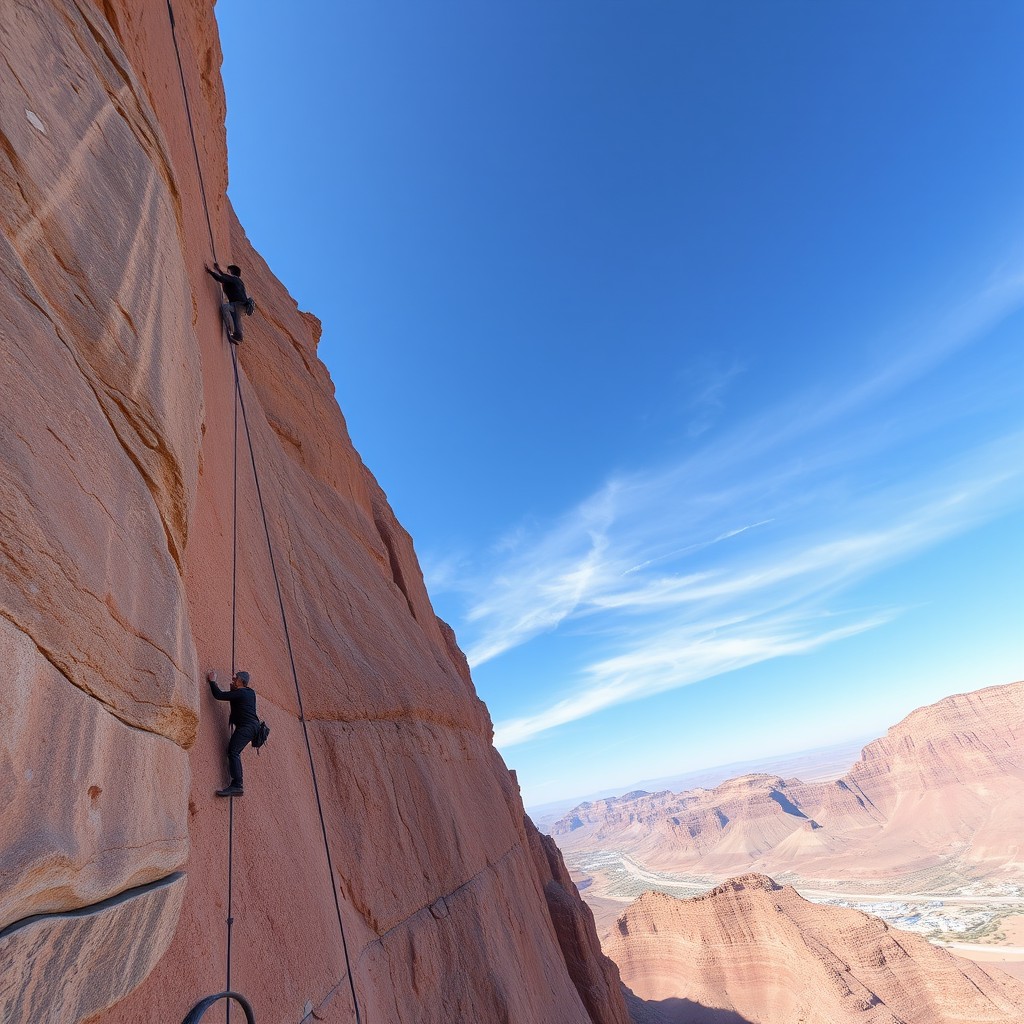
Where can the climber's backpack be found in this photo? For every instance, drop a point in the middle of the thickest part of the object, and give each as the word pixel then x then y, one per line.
pixel 262 735
pixel 250 308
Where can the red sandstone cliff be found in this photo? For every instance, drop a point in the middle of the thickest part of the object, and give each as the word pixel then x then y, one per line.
pixel 753 951
pixel 115 570
pixel 943 789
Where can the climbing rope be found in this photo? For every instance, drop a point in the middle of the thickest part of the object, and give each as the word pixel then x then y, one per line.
pixel 234 534
pixel 234 633
pixel 298 688
pixel 191 128
pixel 239 403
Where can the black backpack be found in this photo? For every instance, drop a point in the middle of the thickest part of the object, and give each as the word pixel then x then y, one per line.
pixel 261 736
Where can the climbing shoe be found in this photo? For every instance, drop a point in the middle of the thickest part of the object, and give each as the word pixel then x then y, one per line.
pixel 231 791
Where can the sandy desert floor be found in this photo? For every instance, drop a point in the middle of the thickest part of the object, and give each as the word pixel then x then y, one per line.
pixel 1007 955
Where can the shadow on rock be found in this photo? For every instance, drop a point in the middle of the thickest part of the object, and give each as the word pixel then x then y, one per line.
pixel 677 1011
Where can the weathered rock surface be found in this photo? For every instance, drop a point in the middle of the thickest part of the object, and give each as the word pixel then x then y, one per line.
pixel 88 806
pixel 943 789
pixel 753 951
pixel 116 423
pixel 101 406
pixel 69 966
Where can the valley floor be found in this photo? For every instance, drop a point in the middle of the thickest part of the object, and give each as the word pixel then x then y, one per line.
pixel 982 923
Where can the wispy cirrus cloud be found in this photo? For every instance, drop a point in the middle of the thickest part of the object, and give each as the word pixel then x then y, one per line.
pixel 678 658
pixel 738 615
pixel 828 538
pixel 742 550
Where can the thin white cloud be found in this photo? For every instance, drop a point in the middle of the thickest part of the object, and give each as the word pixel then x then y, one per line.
pixel 444 573
pixel 717 622
pixel 692 548
pixel 708 402
pixel 558 571
pixel 680 659
pixel 579 570
pixel 730 556
pixel 675 648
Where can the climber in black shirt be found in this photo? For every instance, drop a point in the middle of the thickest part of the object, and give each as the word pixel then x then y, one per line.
pixel 237 299
pixel 243 718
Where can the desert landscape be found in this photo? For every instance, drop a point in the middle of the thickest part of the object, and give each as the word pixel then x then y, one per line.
pixel 922 833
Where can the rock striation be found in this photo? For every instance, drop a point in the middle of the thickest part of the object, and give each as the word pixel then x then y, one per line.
pixel 116 425
pixel 944 789
pixel 753 951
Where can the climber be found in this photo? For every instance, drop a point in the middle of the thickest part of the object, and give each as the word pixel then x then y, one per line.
pixel 238 301
pixel 243 718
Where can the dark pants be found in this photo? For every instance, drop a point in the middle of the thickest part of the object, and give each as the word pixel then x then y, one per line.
pixel 231 313
pixel 240 739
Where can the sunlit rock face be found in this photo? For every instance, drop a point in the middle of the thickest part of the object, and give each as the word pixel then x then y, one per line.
pixel 753 951
pixel 942 791
pixel 116 427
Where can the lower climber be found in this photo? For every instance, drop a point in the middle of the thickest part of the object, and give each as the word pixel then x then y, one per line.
pixel 238 302
pixel 243 718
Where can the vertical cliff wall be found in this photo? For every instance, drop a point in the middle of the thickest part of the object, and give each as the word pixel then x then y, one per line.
pixel 116 423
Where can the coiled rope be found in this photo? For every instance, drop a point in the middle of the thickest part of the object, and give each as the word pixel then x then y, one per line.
pixel 239 403
pixel 196 1013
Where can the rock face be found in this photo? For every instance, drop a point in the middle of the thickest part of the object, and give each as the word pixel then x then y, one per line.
pixel 48 963
pixel 116 424
pixel 753 951
pixel 944 788
pixel 574 925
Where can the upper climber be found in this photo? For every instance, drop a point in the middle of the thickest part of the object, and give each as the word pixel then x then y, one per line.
pixel 238 301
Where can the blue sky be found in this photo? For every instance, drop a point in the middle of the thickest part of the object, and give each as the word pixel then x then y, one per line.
pixel 685 339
